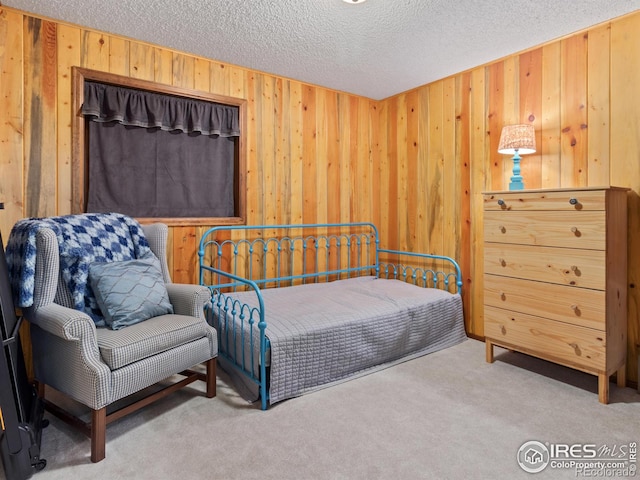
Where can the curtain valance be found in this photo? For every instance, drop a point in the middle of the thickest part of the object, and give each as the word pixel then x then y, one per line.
pixel 130 107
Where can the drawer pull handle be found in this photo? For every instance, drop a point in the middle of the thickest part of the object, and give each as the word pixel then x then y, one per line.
pixel 576 309
pixel 502 229
pixel 502 262
pixel 501 202
pixel 502 296
pixel 574 201
pixel 576 231
pixel 574 268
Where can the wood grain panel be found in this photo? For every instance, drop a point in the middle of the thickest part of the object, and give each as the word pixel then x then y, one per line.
pixel 479 163
pixel 402 172
pixel 268 156
pixel 573 90
pixel 255 165
pixel 392 194
pixel 530 109
pixel 266 141
pixel 344 136
pixel 353 174
pixel 364 141
pixel 415 175
pixel 374 161
pixel 425 213
pixel 220 81
pixel 283 153
pixel 500 165
pixel 163 66
pixel 598 113
pixel 510 111
pixel 184 251
pixel 322 164
pixel 12 125
pixel 296 145
pixel 550 116
pixel 434 217
pixel 451 183
pixel 119 56
pixel 309 157
pixel 384 185
pixel 141 61
pixel 183 70
pixel 68 54
pixel 237 81
pixel 321 159
pixel 95 51
pixel 40 101
pixel 202 74
pixel 463 162
pixel 334 160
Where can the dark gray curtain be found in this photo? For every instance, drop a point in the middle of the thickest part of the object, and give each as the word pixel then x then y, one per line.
pixel 155 155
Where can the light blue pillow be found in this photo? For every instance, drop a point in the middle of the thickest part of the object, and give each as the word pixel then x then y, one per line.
pixel 130 291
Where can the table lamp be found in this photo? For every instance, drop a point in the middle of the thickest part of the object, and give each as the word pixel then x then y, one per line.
pixel 517 140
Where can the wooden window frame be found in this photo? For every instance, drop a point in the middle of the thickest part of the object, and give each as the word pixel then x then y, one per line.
pixel 79 160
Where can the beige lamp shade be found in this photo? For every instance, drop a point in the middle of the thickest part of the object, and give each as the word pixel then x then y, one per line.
pixel 520 138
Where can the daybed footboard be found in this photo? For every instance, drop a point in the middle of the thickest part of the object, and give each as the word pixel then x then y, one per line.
pixel 242 264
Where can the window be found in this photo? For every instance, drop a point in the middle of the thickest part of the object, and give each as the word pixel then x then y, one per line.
pixel 157 152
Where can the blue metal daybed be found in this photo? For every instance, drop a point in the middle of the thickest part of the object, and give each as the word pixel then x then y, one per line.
pixel 301 307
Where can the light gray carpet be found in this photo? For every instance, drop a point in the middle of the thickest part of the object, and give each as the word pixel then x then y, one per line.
pixel 445 415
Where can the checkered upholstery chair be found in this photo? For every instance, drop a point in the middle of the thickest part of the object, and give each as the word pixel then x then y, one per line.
pixel 98 366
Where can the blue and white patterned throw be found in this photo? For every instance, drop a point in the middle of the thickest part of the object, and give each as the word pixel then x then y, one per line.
pixel 82 240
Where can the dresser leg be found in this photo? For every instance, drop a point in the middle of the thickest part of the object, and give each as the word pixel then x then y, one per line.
pixel 489 351
pixel 621 376
pixel 603 388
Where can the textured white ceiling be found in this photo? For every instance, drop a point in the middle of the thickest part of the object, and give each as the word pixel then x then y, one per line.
pixel 375 49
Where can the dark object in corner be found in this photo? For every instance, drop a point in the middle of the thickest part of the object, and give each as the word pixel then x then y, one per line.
pixel 22 409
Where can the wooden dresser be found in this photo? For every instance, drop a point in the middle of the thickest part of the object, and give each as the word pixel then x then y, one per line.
pixel 555 265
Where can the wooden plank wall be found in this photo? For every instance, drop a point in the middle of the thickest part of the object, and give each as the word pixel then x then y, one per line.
pixel 414 164
pixel 309 155
pixel 441 141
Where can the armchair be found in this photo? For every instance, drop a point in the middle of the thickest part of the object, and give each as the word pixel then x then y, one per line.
pixel 74 352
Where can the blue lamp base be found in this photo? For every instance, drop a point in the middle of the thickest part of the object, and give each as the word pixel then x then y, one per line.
pixel 516 180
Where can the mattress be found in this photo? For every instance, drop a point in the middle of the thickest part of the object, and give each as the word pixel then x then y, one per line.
pixel 324 333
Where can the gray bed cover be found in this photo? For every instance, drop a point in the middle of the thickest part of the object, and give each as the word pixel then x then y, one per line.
pixel 326 333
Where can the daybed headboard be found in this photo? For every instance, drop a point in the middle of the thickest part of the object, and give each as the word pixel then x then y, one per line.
pixel 284 255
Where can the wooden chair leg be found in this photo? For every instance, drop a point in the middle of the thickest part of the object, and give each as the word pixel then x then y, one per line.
pixel 211 378
pixel 98 434
pixel 39 389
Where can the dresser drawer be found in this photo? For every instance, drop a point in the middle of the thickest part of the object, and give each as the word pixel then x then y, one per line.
pixel 582 230
pixel 573 200
pixel 564 266
pixel 578 306
pixel 572 345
